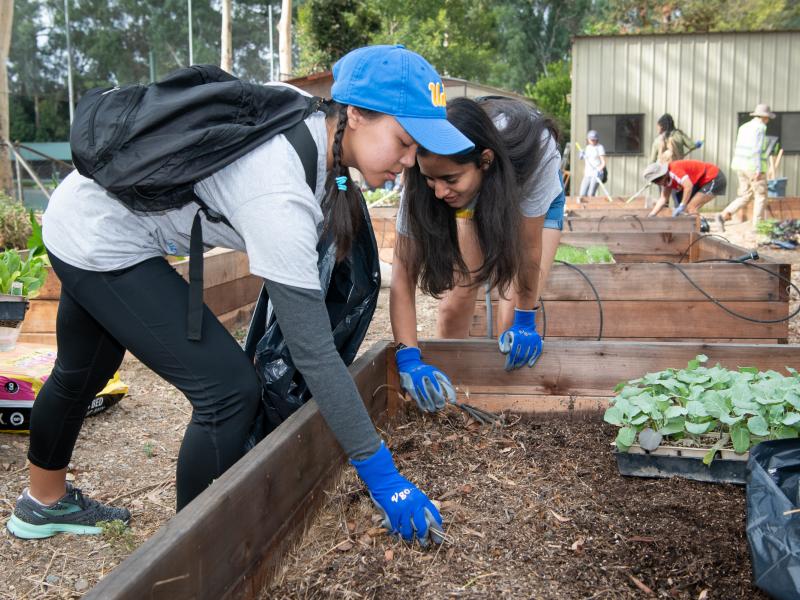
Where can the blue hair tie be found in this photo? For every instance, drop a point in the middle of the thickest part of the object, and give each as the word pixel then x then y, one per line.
pixel 341 183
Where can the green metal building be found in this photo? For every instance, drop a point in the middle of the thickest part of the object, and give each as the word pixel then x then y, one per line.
pixel 708 82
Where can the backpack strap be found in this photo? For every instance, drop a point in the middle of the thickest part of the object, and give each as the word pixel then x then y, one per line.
pixel 300 138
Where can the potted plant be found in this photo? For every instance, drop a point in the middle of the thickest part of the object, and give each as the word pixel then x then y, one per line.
pixel 22 274
pixel 700 422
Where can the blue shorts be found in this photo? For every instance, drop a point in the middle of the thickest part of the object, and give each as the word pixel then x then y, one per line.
pixel 554 218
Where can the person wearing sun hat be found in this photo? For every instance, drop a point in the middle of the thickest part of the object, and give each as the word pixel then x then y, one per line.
pixel 750 159
pixel 697 182
pixel 120 294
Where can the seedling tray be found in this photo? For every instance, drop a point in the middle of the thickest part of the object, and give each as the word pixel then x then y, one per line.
pixel 673 461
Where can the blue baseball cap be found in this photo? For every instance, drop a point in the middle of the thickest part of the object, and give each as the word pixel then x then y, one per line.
pixel 400 83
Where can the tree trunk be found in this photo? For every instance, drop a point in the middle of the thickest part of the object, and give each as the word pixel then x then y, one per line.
pixel 285 41
pixel 6 20
pixel 226 61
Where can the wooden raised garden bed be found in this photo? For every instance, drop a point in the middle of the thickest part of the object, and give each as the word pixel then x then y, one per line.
pixel 229 290
pixel 644 299
pixel 384 221
pixel 601 202
pixel 777 208
pixel 627 221
pixel 229 541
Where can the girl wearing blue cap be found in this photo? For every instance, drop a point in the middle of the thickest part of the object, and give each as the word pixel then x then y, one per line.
pixel 491 215
pixel 119 293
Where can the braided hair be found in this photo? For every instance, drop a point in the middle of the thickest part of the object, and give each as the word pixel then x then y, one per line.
pixel 342 208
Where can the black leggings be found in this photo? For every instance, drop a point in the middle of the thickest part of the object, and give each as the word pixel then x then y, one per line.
pixel 144 309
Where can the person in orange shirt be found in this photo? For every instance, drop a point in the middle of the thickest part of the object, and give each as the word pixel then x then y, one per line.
pixel 698 181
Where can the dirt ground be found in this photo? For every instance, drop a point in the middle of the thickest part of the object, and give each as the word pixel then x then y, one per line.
pixel 127 456
pixel 533 510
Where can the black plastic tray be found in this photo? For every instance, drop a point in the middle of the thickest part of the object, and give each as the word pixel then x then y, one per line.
pixel 656 464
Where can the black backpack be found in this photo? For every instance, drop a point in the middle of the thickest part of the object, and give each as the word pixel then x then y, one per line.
pixel 148 145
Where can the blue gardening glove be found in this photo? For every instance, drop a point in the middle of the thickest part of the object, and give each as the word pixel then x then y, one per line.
pixel 520 341
pixel 406 510
pixel 678 210
pixel 581 155
pixel 427 385
pixel 698 144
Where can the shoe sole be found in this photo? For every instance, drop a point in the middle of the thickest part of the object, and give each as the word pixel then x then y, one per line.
pixel 27 531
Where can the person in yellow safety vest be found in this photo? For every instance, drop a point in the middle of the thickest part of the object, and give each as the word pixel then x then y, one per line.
pixel 750 164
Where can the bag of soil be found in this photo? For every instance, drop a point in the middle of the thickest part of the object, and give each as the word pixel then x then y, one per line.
pixel 351 287
pixel 773 488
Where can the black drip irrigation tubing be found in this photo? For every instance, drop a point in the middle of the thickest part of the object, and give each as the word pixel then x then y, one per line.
pixel 725 308
pixel 692 283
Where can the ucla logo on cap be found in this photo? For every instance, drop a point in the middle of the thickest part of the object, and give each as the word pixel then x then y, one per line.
pixel 438 97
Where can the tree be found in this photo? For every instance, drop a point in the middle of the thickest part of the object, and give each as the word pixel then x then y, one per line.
pixel 663 16
pixel 532 35
pixel 6 21
pixel 550 92
pixel 329 29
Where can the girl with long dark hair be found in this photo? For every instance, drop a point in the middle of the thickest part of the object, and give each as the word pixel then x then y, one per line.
pixel 472 219
pixel 119 293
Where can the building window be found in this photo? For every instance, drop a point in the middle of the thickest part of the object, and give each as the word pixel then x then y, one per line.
pixel 783 129
pixel 619 134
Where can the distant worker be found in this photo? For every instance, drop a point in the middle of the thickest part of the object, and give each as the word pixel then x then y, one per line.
pixel 697 181
pixel 750 164
pixel 594 157
pixel 671 143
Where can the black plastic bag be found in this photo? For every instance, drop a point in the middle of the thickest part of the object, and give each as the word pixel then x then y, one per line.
pixel 351 287
pixel 773 488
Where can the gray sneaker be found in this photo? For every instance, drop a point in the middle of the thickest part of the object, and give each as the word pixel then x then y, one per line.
pixel 73 513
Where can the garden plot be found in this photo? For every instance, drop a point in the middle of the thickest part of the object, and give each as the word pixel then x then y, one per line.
pixel 590 529
pixel 533 510
pixel 643 298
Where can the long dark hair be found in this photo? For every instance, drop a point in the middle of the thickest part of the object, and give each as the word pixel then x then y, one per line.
pixel 431 249
pixel 667 124
pixel 524 130
pixel 342 208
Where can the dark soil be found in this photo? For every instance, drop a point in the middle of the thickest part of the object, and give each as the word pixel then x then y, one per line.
pixel 535 510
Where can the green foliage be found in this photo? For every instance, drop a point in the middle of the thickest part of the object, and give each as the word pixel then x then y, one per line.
pixel 148 449
pixel 378 195
pixel 35 243
pixel 118 534
pixel 30 272
pixel 584 256
pixel 329 29
pixel 533 35
pixel 744 407
pixel 15 225
pixel 766 227
pixel 549 94
pixel 665 16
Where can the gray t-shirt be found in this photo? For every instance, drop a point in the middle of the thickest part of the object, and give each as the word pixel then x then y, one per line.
pixel 276 218
pixel 538 192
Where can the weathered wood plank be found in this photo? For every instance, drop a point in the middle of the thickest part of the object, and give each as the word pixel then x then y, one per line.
pixel 630 223
pixel 587 368
pixel 632 319
pixel 232 294
pixel 621 243
pixel 601 202
pixel 229 540
pixel 654 281
pixel 777 208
